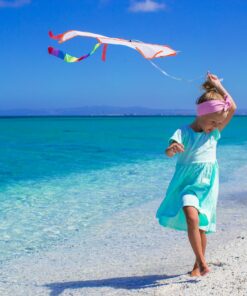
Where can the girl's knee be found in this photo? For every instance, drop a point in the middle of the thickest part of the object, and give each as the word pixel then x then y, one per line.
pixel 192 220
pixel 191 214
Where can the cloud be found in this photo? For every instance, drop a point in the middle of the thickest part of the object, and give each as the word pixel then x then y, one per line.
pixel 146 6
pixel 13 3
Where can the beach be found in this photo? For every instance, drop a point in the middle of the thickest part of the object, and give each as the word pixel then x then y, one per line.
pixel 130 254
pixel 78 211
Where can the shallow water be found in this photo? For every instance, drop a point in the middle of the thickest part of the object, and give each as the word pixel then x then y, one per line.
pixel 61 177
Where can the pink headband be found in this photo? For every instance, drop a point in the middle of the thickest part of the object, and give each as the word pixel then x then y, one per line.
pixel 212 106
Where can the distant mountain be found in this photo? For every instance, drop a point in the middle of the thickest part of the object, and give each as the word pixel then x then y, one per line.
pixel 101 110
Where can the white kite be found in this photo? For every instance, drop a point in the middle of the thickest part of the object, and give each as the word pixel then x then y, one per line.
pixel 147 50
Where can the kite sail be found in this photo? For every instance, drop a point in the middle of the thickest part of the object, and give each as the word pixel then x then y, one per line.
pixel 147 50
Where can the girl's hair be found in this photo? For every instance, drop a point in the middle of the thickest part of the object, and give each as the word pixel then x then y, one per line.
pixel 210 93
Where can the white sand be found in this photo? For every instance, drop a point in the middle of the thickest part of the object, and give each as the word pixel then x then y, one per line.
pixel 131 254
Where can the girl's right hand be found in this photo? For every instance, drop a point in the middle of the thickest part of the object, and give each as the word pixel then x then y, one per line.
pixel 214 80
pixel 174 148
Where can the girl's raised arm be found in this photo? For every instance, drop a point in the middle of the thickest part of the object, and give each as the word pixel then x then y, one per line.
pixel 216 82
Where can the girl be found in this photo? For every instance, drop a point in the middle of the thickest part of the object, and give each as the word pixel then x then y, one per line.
pixel 191 197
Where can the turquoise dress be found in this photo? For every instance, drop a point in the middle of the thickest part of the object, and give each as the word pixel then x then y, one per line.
pixel 195 181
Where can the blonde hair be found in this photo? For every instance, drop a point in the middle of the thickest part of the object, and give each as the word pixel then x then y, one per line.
pixel 210 93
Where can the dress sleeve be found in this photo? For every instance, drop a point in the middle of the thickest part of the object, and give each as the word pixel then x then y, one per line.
pixel 217 134
pixel 177 136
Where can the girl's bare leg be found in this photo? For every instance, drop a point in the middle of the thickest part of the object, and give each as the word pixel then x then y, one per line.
pixel 196 271
pixel 195 239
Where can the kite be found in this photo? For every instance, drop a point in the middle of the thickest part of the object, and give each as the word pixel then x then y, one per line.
pixel 147 50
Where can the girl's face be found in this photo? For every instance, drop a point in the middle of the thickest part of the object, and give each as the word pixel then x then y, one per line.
pixel 211 121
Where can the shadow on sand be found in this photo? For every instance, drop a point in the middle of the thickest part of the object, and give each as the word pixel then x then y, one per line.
pixel 128 283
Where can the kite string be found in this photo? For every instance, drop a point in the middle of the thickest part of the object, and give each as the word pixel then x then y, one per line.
pixel 164 72
pixel 178 78
pixel 171 76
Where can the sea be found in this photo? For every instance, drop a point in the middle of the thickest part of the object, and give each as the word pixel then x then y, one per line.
pixel 60 177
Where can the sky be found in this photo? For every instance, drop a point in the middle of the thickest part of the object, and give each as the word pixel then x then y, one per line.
pixel 209 35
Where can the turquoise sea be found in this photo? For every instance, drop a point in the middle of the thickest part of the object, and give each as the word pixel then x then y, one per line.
pixel 62 176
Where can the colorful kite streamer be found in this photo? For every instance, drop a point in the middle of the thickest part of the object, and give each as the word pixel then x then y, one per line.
pixel 68 58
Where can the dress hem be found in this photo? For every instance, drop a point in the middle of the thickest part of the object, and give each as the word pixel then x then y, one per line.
pixel 185 229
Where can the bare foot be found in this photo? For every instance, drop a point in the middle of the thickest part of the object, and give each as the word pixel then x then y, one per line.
pixel 195 271
pixel 204 269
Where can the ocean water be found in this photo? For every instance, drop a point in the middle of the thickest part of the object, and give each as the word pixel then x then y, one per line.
pixel 62 176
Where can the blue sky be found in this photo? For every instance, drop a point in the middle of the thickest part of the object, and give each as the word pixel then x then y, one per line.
pixel 211 35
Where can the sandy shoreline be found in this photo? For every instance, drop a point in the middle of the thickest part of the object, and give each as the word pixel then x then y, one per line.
pixel 132 255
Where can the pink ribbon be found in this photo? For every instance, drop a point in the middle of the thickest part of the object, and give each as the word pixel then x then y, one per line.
pixel 212 106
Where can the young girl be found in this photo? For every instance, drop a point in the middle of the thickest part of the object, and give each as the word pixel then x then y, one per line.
pixel 191 197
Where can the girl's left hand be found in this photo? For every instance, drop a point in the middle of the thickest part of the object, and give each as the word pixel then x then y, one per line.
pixel 214 80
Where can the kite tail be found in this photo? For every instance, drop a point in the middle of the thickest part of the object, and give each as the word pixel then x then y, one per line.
pixel 68 58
